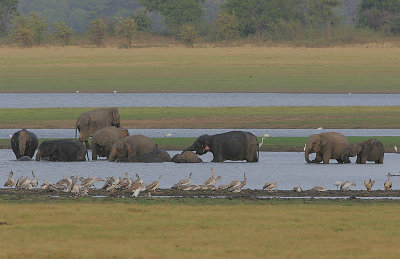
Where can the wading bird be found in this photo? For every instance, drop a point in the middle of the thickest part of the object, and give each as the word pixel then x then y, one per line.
pixel 388 183
pixel 270 186
pixel 154 185
pixel 318 189
pixel 337 184
pixel 297 189
pixel 186 181
pixel 368 184
pixel 10 182
pixel 346 185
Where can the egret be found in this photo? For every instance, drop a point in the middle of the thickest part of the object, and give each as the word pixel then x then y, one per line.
pixel 320 128
pixel 337 184
pixel 168 135
pixel 266 135
pixel 395 147
pixel 77 92
pixel 262 142
pixel 115 91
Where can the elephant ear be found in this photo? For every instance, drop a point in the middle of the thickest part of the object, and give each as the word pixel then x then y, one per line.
pixel 323 142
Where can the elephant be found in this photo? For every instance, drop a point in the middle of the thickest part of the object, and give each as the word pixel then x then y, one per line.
pixel 24 143
pixel 104 138
pixel 91 121
pixel 233 145
pixel 368 150
pixel 154 156
pixel 135 145
pixel 25 158
pixel 328 145
pixel 63 150
pixel 186 157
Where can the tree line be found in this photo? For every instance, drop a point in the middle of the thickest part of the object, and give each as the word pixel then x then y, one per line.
pixel 189 20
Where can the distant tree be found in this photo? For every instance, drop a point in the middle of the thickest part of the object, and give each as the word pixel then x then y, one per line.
pixel 226 27
pixel 126 28
pixel 63 33
pixel 8 9
pixel 97 31
pixel 187 34
pixel 143 22
pixel 321 12
pixel 176 13
pixel 256 17
pixel 380 15
pixel 28 30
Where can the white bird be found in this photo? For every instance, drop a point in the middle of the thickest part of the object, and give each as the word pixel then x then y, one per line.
pixel 297 189
pixel 168 135
pixel 212 180
pixel 137 188
pixel 115 91
pixel 369 183
pixel 337 184
pixel 269 186
pixel 320 128
pixel 388 183
pixel 77 92
pixel 34 182
pixel 304 149
pixel 262 142
pixel 186 181
pixel 10 182
pixel 346 185
pixel 318 189
pixel 154 185
pixel 238 188
pixel 266 135
pixel 395 148
pixel 10 136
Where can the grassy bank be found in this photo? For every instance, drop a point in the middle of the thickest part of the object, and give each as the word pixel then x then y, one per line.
pixel 197 228
pixel 276 144
pixel 221 117
pixel 177 69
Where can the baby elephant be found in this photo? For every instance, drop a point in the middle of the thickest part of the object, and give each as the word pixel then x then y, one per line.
pixel 186 157
pixel 155 156
pixel 368 150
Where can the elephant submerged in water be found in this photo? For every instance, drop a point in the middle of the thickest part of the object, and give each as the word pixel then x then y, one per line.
pixel 368 150
pixel 328 145
pixel 154 156
pixel 91 121
pixel 186 157
pixel 24 143
pixel 233 145
pixel 135 146
pixel 62 150
pixel 104 138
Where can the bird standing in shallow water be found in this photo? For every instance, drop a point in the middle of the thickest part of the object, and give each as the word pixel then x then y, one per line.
pixel 337 184
pixel 10 182
pixel 186 181
pixel 346 185
pixel 388 183
pixel 368 184
pixel 270 186
pixel 318 189
pixel 154 185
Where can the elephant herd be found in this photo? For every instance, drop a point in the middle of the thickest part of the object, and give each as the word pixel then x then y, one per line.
pixel 113 142
pixel 333 145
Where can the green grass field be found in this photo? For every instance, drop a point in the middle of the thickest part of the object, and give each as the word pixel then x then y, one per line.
pixel 177 69
pixel 126 228
pixel 221 117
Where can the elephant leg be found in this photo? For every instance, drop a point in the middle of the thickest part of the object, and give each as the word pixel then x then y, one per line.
pixel 380 161
pixel 318 158
pixel 363 159
pixel 326 157
pixel 94 152
pixel 217 158
pixel 358 161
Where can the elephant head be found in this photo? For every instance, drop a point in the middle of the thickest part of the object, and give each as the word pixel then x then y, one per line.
pixel 115 118
pixel 351 151
pixel 120 149
pixel 202 145
pixel 314 144
pixel 45 150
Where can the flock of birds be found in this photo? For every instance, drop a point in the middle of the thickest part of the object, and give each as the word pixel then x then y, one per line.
pixel 71 184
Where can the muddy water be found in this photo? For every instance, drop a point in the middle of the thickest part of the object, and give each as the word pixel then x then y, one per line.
pixel 43 100
pixel 288 169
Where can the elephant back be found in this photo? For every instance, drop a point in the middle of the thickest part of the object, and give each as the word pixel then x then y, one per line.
pixel 140 144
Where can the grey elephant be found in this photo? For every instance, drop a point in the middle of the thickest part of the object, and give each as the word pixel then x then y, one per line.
pixel 104 138
pixel 368 150
pixel 186 157
pixel 24 143
pixel 328 145
pixel 135 145
pixel 233 145
pixel 91 121
pixel 62 150
pixel 154 156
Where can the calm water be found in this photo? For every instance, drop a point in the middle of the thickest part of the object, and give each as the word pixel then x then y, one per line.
pixel 43 100
pixel 288 169
pixel 160 133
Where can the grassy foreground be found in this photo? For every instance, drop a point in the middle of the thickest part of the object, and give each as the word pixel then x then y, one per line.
pixel 276 144
pixel 198 228
pixel 304 117
pixel 177 69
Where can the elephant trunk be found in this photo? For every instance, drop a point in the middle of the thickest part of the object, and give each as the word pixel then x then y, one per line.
pixel 112 155
pixel 22 146
pixel 307 154
pixel 38 155
pixel 191 148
